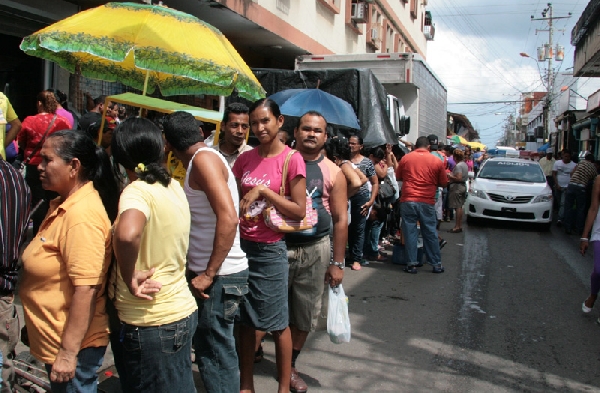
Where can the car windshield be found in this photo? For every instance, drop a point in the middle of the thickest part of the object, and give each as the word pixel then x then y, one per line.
pixel 523 171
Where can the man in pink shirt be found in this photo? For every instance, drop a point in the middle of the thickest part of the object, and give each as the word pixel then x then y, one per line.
pixel 421 174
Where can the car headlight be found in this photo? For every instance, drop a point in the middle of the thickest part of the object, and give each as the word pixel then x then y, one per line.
pixel 477 193
pixel 542 198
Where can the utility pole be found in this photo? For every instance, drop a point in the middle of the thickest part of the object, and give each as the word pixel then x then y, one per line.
pixel 547 14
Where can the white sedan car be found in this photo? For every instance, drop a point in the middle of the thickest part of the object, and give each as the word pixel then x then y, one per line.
pixel 510 189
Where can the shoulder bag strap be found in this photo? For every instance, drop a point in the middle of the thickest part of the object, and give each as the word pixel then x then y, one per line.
pixel 284 173
pixel 40 143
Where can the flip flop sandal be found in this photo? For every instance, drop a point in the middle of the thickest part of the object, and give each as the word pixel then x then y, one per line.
pixel 259 355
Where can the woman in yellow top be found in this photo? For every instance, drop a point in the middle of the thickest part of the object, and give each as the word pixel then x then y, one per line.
pixel 65 264
pixel 157 314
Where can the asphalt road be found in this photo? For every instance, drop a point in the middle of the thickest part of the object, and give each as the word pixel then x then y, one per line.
pixel 504 317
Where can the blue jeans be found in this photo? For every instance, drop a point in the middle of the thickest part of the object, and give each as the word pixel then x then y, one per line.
pixel 216 353
pixel 372 232
pixel 156 358
pixel 425 214
pixel 89 360
pixel 356 229
pixel 575 218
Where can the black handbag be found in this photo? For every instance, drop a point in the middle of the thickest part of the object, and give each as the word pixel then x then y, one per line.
pixel 386 189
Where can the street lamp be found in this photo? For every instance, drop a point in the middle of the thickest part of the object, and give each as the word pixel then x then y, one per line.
pixel 548 87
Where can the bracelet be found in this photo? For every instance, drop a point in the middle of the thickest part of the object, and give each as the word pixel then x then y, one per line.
pixel 584 239
pixel 341 265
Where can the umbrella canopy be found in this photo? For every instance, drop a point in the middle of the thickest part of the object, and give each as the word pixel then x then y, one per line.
pixel 475 145
pixel 149 46
pixel 458 140
pixel 543 148
pixel 296 102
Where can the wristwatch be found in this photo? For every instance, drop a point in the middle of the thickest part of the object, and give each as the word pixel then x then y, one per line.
pixel 341 265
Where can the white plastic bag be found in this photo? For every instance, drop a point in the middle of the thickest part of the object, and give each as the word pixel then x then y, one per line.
pixel 338 321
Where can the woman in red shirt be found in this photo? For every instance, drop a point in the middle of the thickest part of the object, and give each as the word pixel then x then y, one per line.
pixel 33 132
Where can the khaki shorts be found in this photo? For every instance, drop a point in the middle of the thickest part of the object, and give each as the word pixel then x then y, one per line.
pixel 308 265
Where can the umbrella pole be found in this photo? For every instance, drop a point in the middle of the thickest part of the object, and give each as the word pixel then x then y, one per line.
pixel 145 87
pixel 146 82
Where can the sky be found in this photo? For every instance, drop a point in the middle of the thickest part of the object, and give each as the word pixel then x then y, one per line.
pixel 476 49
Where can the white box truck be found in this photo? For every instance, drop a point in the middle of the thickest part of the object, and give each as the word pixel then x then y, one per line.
pixel 413 88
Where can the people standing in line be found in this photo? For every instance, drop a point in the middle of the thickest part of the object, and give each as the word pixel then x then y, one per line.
pixel 15 197
pixel 561 172
pixel 95 114
pixel 60 110
pixel 65 265
pixel 477 160
pixel 450 164
pixel 34 131
pixel 153 313
pixel 439 198
pixel 591 233
pixel 547 163
pixel 377 214
pixel 7 117
pixel 457 190
pixel 217 266
pixel 309 254
pixel 468 159
pixel 576 194
pixel 259 176
pixel 421 174
pixel 338 151
pixel 361 202
pixel 234 128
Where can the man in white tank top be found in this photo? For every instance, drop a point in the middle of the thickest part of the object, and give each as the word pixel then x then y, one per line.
pixel 217 266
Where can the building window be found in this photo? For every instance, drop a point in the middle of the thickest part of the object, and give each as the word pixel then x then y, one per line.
pixel 331 5
pixel 355 15
pixel 375 27
pixel 414 4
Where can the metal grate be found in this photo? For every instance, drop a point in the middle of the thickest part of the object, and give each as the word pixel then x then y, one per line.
pixel 510 198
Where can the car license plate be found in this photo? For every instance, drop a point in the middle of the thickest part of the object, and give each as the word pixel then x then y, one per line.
pixel 509 209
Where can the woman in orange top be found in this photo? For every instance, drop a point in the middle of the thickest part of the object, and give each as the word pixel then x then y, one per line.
pixel 65 265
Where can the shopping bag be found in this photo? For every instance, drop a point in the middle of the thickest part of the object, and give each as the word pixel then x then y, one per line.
pixel 338 321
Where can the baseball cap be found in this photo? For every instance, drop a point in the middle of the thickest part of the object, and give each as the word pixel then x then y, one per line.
pixel 548 151
pixel 433 141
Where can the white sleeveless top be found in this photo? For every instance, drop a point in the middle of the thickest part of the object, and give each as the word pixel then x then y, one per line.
pixel 204 222
pixel 596 229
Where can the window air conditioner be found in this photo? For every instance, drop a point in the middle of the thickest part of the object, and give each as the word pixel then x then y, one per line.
pixel 374 34
pixel 358 12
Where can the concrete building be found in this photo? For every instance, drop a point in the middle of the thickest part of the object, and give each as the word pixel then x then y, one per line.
pixel 266 33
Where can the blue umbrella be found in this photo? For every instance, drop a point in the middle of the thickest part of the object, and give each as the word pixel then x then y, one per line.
pixel 296 102
pixel 543 148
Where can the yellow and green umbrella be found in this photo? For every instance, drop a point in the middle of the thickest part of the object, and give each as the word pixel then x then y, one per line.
pixel 458 140
pixel 475 145
pixel 146 47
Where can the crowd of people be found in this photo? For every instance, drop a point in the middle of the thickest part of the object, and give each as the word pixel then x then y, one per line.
pixel 125 254
pixel 122 253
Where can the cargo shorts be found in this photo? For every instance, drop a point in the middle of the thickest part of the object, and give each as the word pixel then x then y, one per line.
pixel 308 264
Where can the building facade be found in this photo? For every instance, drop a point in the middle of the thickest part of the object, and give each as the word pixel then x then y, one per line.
pixel 266 33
